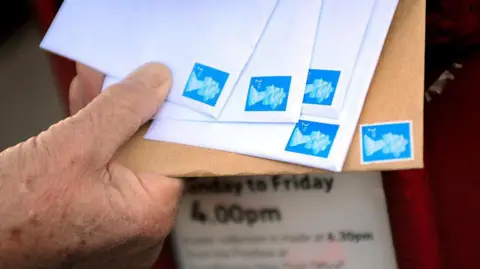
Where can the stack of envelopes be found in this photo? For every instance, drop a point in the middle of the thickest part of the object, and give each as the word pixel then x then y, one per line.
pixel 278 79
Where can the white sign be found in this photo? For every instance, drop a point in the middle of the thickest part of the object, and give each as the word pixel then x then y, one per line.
pixel 326 221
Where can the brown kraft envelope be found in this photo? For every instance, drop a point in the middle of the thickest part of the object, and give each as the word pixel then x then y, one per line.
pixel 396 94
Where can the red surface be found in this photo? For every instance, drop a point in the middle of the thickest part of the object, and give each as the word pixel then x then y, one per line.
pixel 434 212
pixel 413 219
pixel 453 142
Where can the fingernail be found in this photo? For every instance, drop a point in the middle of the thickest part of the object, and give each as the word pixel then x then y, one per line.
pixel 154 76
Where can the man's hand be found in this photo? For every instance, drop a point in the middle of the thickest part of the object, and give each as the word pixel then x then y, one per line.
pixel 65 204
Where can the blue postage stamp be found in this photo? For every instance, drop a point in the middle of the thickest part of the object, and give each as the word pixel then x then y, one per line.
pixel 268 93
pixel 386 142
pixel 205 84
pixel 312 138
pixel 321 87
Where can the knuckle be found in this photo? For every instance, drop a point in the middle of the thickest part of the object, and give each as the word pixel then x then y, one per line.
pixel 82 148
pixel 75 146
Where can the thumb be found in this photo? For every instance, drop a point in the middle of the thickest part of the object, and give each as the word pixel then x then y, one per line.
pixel 116 114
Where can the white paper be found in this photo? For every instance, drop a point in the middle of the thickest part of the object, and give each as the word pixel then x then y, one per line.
pixel 270 140
pixel 341 31
pixel 310 222
pixel 116 37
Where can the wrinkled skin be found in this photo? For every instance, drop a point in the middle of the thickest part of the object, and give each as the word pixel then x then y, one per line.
pixel 65 204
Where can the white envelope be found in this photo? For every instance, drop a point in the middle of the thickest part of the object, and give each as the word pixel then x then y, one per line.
pixel 206 43
pixel 341 31
pixel 272 85
pixel 331 67
pixel 331 138
pixel 284 51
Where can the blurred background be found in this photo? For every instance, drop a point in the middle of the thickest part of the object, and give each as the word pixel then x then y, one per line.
pixel 29 99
